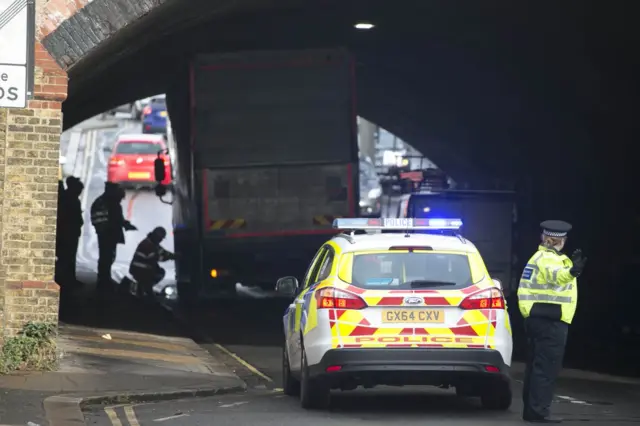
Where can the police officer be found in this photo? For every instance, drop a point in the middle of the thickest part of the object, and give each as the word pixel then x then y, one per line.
pixel 70 224
pixel 547 296
pixel 59 274
pixel 109 222
pixel 145 266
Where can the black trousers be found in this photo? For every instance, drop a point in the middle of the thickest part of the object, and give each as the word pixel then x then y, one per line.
pixel 146 280
pixel 546 339
pixel 107 255
pixel 67 252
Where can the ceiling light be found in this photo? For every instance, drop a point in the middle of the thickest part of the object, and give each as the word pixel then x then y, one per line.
pixel 364 25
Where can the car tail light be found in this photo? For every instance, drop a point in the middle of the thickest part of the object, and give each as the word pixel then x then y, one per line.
pixel 146 110
pixel 115 161
pixel 332 298
pixel 486 299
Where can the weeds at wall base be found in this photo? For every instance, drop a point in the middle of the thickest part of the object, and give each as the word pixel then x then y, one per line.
pixel 33 349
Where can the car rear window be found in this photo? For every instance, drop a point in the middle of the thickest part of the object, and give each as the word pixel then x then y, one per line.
pixel 411 270
pixel 158 103
pixel 138 148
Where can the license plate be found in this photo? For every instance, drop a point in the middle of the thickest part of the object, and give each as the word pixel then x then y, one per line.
pixel 163 113
pixel 139 175
pixel 413 315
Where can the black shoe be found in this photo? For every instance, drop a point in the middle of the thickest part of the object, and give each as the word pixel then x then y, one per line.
pixel 542 419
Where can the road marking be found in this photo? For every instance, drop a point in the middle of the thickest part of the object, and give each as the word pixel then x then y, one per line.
pixel 72 151
pixel 131 415
pixel 78 170
pixel 87 173
pixel 234 404
pixel 164 419
pixel 243 362
pixel 102 156
pixel 86 167
pixel 130 204
pixel 113 417
pixel 572 400
pixel 90 155
pixel 566 398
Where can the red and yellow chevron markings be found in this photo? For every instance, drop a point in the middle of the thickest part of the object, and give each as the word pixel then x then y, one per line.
pixel 324 219
pixel 350 329
pixel 227 224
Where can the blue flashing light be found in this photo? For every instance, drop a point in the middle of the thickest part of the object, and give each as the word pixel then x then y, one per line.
pixel 398 223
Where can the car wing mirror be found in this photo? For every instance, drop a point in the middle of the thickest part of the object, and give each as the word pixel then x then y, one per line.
pixel 287 286
pixel 158 167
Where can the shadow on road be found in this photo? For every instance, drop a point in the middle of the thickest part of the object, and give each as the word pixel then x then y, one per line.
pixel 372 403
pixel 254 322
pixel 81 305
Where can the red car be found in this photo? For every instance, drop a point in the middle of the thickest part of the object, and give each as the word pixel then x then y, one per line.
pixel 131 162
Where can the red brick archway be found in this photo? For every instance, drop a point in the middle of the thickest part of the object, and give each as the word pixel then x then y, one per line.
pixel 29 150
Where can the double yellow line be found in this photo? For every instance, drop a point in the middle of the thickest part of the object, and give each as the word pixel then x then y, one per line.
pixel 130 415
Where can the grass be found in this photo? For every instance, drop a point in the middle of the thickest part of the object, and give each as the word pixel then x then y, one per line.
pixel 33 349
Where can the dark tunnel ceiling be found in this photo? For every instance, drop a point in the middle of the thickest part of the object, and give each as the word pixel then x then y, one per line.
pixel 476 86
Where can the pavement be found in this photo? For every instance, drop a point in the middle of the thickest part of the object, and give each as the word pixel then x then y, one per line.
pixel 104 361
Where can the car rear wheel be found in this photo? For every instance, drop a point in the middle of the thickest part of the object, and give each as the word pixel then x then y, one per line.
pixel 290 386
pixel 314 393
pixel 497 397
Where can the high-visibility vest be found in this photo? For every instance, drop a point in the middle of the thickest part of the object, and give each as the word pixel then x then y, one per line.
pixel 146 257
pixel 546 279
pixel 100 214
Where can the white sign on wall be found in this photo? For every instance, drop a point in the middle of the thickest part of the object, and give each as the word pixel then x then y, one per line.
pixel 17 28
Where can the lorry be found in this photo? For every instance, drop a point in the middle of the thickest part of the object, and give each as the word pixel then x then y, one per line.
pixel 270 161
pixel 489 218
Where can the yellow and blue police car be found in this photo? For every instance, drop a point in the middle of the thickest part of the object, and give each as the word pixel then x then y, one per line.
pixel 396 301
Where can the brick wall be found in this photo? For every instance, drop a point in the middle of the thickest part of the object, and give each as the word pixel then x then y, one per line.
pixel 29 153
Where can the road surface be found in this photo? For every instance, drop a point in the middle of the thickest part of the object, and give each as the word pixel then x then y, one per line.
pixel 249 331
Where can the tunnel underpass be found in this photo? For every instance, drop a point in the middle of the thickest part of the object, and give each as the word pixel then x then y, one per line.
pixel 537 98
pixel 488 95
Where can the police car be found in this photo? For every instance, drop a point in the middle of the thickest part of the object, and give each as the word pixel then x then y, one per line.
pixel 396 302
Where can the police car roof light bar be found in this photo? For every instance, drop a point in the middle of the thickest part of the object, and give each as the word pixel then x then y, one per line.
pixel 400 224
